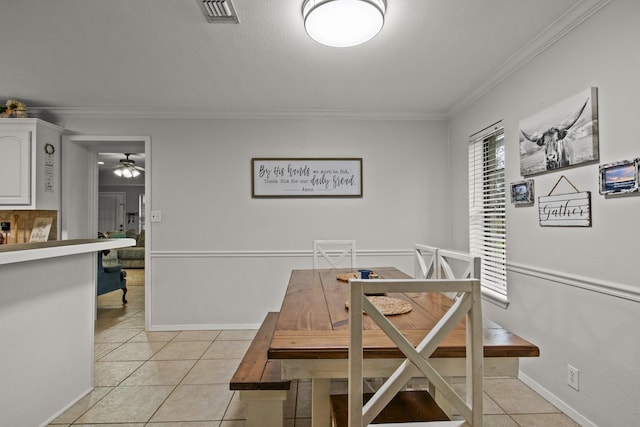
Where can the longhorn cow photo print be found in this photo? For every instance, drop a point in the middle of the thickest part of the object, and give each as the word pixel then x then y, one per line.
pixel 563 135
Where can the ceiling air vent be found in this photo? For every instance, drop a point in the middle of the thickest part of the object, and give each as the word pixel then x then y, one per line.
pixel 218 11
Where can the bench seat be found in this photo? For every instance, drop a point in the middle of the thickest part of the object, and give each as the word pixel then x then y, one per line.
pixel 405 407
pixel 258 380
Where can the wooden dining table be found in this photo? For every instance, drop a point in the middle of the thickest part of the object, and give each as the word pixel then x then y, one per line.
pixel 311 336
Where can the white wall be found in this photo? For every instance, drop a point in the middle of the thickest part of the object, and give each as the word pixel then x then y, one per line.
pixel 222 259
pixel 46 325
pixel 76 184
pixel 574 291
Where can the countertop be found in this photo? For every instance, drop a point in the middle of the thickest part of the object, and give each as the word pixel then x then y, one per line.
pixel 10 254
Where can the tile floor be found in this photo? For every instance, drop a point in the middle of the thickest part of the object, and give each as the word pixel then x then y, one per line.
pixel 171 379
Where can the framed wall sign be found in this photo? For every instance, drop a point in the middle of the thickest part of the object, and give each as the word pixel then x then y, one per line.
pixel 619 177
pixel 306 177
pixel 565 210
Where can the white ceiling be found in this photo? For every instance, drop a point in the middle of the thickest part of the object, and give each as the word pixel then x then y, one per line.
pixel 111 160
pixel 430 60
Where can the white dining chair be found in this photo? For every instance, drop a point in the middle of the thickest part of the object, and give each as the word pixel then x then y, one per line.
pixel 334 252
pixel 425 261
pixel 467 305
pixel 457 265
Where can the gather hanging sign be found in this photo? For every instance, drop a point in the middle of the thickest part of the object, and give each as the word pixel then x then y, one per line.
pixel 565 210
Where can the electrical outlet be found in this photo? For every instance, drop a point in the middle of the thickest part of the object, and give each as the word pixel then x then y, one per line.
pixel 573 377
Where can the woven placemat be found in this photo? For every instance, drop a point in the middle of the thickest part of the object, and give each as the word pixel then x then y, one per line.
pixel 389 306
pixel 344 277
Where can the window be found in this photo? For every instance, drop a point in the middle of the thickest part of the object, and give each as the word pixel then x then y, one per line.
pixel 487 221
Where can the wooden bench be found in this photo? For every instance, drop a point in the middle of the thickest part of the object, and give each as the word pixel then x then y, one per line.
pixel 258 380
pixel 405 407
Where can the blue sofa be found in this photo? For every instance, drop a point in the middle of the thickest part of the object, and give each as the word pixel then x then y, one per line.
pixel 111 278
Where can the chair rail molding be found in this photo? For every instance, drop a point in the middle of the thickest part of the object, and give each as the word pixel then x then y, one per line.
pixel 618 290
pixel 270 253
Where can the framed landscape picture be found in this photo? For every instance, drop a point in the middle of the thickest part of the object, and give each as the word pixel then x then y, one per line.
pixel 619 177
pixel 522 192
pixel 561 136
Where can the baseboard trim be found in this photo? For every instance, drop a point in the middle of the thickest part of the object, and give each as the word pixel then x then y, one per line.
pixel 63 410
pixel 618 290
pixel 556 401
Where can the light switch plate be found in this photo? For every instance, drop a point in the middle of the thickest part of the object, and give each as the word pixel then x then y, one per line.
pixel 156 216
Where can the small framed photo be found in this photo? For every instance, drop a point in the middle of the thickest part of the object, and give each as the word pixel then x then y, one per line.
pixel 522 192
pixel 619 177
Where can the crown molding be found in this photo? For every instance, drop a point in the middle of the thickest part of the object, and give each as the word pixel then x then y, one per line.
pixel 212 113
pixel 550 35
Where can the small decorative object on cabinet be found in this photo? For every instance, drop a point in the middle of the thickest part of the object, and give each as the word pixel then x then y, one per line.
pixel 30 171
pixel 13 109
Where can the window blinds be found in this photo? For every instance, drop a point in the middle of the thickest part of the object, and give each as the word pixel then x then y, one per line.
pixel 487 221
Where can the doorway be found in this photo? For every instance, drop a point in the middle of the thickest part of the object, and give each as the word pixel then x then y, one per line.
pixel 111 207
pixel 80 190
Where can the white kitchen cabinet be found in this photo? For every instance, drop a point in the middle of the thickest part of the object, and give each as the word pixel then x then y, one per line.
pixel 29 164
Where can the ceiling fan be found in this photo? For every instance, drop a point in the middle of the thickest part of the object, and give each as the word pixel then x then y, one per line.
pixel 127 168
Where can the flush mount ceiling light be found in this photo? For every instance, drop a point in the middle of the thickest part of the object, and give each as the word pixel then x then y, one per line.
pixel 343 23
